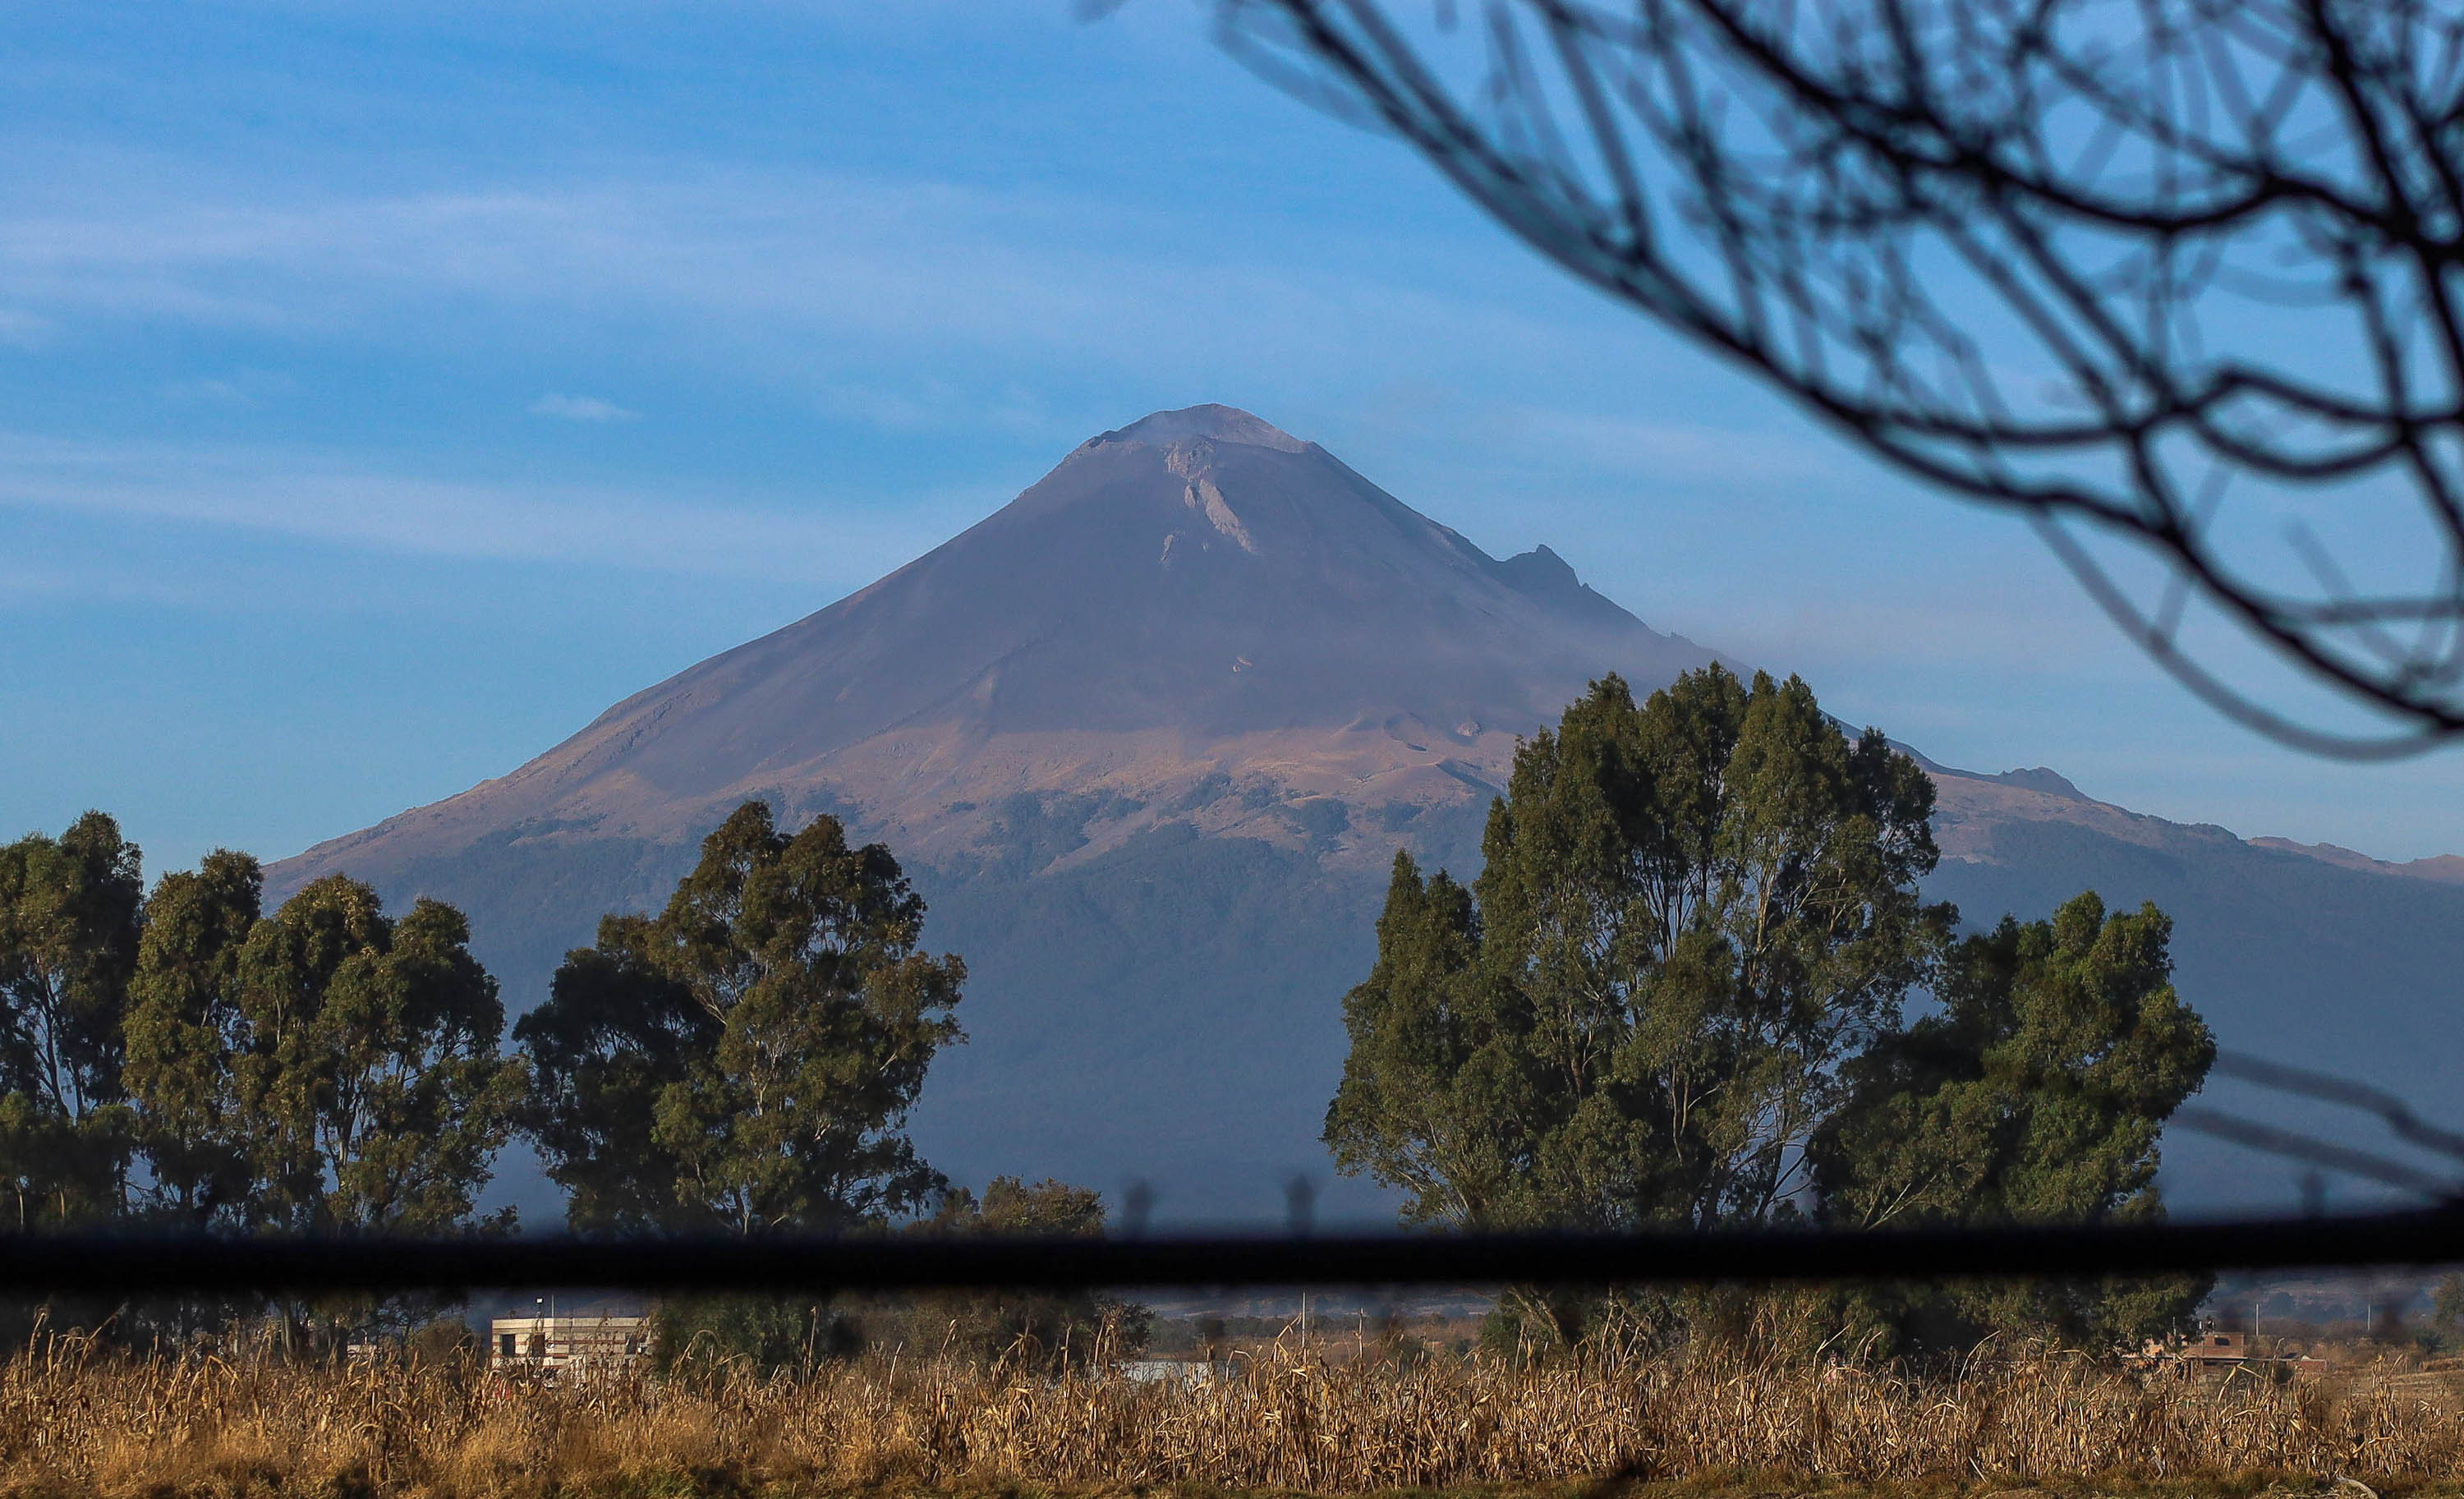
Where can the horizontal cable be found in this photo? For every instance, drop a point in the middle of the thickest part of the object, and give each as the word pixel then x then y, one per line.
pixel 131 1266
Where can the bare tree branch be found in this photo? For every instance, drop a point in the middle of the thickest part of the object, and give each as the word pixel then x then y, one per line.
pixel 2176 274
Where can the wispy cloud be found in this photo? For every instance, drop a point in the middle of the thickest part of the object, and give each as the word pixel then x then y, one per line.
pixel 240 388
pixel 319 497
pixel 23 330
pixel 727 266
pixel 1627 444
pixel 581 408
pixel 930 404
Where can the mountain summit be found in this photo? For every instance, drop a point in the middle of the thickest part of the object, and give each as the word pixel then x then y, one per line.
pixel 1210 423
pixel 1147 738
pixel 1195 595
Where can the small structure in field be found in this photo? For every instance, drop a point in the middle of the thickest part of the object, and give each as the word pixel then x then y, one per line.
pixel 2219 1350
pixel 590 1343
pixel 1187 1374
pixel 2212 1350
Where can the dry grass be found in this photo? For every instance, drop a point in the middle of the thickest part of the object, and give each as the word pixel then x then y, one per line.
pixel 77 1419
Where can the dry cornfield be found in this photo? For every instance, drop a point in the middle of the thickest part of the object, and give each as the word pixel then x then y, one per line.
pixel 79 1419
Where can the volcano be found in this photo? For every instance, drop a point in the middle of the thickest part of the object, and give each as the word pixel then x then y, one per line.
pixel 1196 598
pixel 1146 739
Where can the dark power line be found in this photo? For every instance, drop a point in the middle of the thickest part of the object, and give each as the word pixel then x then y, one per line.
pixel 134 1266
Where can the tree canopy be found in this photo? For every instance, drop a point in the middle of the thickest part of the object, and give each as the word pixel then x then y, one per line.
pixel 326 1069
pixel 369 1062
pixel 1691 911
pixel 2034 1095
pixel 68 915
pixel 1676 996
pixel 184 1056
pixel 186 1027
pixel 744 1061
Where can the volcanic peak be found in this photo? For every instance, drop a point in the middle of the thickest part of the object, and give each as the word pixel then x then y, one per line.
pixel 1213 422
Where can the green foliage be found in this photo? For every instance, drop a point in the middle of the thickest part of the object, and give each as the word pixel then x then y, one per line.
pixel 2447 1303
pixel 68 943
pixel 1691 912
pixel 2036 1095
pixel 1011 1208
pixel 185 1027
pixel 1040 1330
pixel 370 1070
pixel 616 1034
pixel 324 1069
pixel 1424 1049
pixel 704 1336
pixel 1674 997
pixel 744 1061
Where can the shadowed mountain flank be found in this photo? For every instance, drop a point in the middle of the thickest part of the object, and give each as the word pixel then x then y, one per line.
pixel 1148 736
pixel 2304 960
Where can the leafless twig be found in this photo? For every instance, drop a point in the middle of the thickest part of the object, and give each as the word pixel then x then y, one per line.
pixel 2180 273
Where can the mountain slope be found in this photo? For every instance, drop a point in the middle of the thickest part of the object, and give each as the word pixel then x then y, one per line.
pixel 1190 596
pixel 2355 967
pixel 1148 736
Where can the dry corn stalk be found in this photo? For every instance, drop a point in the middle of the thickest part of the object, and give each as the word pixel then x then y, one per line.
pixel 77 1418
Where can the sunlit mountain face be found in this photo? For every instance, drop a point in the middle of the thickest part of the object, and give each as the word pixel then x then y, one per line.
pixel 1195 600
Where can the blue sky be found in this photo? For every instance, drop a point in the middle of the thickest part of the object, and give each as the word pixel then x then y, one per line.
pixel 383 392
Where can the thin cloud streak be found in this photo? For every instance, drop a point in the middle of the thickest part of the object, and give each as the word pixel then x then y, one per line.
pixel 306 496
pixel 1615 445
pixel 581 408
pixel 774 254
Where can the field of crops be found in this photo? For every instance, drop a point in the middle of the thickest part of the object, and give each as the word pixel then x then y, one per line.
pixel 79 1418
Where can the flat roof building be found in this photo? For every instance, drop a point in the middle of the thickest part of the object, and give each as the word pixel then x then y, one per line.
pixel 592 1342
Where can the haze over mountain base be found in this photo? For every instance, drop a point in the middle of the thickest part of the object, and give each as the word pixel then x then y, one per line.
pixel 1147 739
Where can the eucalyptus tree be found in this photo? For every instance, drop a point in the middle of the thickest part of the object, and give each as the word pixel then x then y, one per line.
pixel 744 1061
pixel 370 1074
pixel 326 1069
pixel 184 1030
pixel 1692 911
pixel 2037 1094
pixel 68 922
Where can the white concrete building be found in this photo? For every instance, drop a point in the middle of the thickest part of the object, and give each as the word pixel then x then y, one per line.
pixel 592 1342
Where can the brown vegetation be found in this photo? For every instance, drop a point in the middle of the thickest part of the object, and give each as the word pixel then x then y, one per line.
pixel 78 1419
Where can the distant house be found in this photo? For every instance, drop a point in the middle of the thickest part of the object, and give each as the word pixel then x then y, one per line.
pixel 2218 1348
pixel 591 1343
pixel 2224 1351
